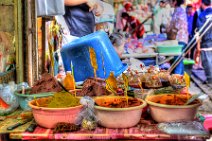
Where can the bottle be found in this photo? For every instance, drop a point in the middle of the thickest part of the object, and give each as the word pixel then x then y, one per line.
pixel 69 82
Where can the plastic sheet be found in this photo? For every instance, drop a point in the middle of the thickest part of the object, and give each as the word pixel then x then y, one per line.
pixel 183 128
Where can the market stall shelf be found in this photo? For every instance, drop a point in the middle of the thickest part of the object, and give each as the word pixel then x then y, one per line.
pixel 168 56
pixel 139 55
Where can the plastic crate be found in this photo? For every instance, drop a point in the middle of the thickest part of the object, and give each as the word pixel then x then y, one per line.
pixel 169 49
pixel 77 52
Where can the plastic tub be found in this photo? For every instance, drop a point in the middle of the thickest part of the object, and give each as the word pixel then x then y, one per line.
pixel 169 48
pixel 23 99
pixel 49 117
pixel 77 52
pixel 188 62
pixel 118 117
pixel 171 113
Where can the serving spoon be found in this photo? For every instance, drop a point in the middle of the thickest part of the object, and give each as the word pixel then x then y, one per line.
pixel 194 97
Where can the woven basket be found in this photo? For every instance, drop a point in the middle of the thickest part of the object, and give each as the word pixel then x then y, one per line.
pixel 8 76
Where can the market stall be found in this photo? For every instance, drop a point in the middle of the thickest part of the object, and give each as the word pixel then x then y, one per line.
pixel 148 98
pixel 87 92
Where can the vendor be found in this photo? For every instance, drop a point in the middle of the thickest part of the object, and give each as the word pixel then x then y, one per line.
pixel 118 41
pixel 133 26
pixel 78 21
pixel 179 22
pixel 206 43
pixel 162 15
pixel 128 7
pixel 79 16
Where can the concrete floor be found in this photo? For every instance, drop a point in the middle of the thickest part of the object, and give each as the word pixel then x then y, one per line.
pixel 207 103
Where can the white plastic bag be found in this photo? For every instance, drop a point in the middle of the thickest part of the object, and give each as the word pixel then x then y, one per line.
pixel 50 7
pixel 7 95
pixel 67 38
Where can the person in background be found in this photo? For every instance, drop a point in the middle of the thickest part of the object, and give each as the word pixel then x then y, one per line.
pixel 206 42
pixel 162 16
pixel 179 22
pixel 106 21
pixel 118 41
pixel 79 16
pixel 194 55
pixel 195 18
pixel 133 26
pixel 190 16
pixel 128 7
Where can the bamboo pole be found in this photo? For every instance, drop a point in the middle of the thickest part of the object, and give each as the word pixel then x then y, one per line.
pixel 29 42
pixel 34 43
pixel 43 45
pixel 18 40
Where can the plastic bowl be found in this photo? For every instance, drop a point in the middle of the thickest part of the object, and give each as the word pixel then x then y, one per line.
pixel 23 99
pixel 118 117
pixel 49 117
pixel 169 48
pixel 171 113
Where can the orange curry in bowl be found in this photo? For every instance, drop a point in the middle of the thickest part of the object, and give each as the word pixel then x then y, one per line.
pixel 118 102
pixel 172 99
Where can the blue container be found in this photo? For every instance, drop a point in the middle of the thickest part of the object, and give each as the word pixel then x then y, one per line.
pixel 78 52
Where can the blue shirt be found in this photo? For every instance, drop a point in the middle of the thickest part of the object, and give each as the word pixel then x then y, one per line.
pixel 80 21
pixel 207 38
pixel 190 24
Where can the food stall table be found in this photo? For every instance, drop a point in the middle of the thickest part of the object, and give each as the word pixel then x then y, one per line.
pixel 140 132
pixel 145 130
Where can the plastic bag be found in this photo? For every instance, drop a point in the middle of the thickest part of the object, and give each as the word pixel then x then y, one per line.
pixel 153 81
pixel 23 85
pixel 183 128
pixel 9 101
pixel 177 81
pixel 143 93
pixel 23 88
pixel 87 117
pixel 50 7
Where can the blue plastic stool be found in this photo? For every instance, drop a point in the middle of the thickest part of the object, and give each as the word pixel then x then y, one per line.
pixel 78 52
